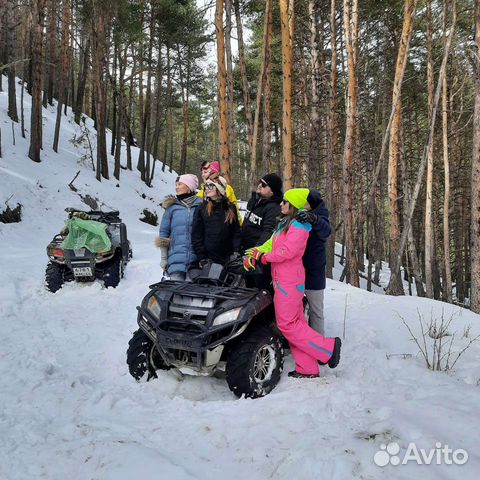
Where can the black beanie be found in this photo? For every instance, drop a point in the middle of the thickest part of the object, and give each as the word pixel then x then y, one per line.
pixel 314 199
pixel 274 182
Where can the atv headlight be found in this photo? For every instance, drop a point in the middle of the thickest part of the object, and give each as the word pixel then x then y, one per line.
pixel 153 307
pixel 227 317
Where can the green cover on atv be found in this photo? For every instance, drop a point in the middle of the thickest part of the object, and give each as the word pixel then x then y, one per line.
pixel 87 234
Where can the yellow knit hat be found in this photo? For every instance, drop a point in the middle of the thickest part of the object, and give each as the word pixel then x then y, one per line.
pixel 297 197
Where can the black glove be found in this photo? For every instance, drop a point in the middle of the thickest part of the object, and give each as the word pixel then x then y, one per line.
pixel 307 216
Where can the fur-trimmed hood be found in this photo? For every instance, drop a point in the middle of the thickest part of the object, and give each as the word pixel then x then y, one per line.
pixel 168 201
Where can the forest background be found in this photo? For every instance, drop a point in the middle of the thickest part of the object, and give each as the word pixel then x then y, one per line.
pixel 375 103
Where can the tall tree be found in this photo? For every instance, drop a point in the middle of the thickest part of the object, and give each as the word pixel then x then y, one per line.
pixel 38 8
pixel 63 85
pixel 51 52
pixel 267 93
pixel 230 93
pixel 331 185
pixel 429 234
pixel 394 145
pixel 260 88
pixel 222 91
pixel 395 266
pixel 350 14
pixel 84 62
pixel 11 34
pixel 475 183
pixel 446 168
pixel 315 65
pixel 99 49
pixel 243 75
pixel 287 28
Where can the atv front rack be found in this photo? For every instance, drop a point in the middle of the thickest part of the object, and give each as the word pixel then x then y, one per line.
pixel 186 322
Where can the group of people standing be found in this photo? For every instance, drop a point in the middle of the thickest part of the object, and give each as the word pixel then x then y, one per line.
pixel 284 232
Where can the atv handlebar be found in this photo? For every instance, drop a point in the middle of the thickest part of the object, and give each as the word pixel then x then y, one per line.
pixel 114 214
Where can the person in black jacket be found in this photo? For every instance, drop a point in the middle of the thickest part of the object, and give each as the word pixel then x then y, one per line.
pixel 262 212
pixel 261 218
pixel 216 229
pixel 314 258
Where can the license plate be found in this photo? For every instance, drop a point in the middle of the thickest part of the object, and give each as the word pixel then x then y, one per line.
pixel 82 271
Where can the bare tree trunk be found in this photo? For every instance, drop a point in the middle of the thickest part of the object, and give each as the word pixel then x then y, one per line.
pixel 230 86
pixel 158 119
pixel 113 81
pixel 243 75
pixel 393 154
pixel 222 91
pixel 11 39
pixel 168 109
pixel 3 39
pixel 332 152
pixel 475 185
pixel 286 18
pixel 128 120
pixel 50 68
pixel 82 79
pixel 63 87
pixel 267 94
pixel 397 260
pixel 447 283
pixel 38 7
pixel 429 245
pixel 350 14
pixel 141 106
pixel 99 59
pixel 395 285
pixel 122 64
pixel 314 151
pixel 261 79
pixel 148 107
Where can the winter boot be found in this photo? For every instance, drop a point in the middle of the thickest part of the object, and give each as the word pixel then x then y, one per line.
pixel 295 374
pixel 335 358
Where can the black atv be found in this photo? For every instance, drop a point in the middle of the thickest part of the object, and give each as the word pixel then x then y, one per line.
pixel 81 264
pixel 207 325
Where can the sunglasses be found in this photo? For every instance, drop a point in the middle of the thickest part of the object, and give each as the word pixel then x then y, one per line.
pixel 262 184
pixel 209 186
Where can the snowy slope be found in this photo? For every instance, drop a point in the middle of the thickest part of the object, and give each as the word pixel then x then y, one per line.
pixel 69 408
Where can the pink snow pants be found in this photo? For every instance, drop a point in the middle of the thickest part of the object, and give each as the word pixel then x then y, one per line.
pixel 307 346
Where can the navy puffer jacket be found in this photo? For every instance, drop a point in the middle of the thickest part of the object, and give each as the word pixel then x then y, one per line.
pixel 314 258
pixel 177 224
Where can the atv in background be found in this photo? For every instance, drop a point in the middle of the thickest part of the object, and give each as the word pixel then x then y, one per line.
pixel 209 324
pixel 82 264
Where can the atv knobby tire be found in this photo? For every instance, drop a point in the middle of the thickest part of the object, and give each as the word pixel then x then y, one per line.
pixel 54 276
pixel 143 358
pixel 255 362
pixel 113 272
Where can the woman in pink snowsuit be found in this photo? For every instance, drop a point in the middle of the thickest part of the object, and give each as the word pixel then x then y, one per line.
pixel 287 246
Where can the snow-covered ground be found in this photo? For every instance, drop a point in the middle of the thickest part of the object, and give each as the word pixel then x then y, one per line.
pixel 69 408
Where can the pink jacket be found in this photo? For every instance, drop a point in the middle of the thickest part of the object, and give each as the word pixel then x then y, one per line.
pixel 287 252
